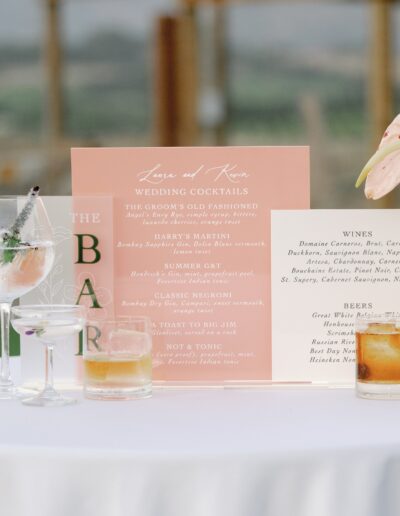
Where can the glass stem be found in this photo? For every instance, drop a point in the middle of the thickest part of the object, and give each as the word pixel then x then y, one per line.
pixel 49 379
pixel 5 376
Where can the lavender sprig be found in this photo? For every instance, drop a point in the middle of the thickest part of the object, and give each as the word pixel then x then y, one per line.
pixel 38 332
pixel 26 211
pixel 11 237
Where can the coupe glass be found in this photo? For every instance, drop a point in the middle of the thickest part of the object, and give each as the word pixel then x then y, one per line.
pixel 24 262
pixel 48 325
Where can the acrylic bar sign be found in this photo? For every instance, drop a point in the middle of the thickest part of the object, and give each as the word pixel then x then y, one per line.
pixel 191 249
pixel 80 227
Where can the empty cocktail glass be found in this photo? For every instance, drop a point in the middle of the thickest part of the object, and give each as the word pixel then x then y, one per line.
pixel 48 325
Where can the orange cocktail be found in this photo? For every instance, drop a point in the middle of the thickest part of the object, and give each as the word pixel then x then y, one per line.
pixel 378 358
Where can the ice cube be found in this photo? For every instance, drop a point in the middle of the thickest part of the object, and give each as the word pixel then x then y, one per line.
pixel 129 341
pixel 380 346
pixel 381 328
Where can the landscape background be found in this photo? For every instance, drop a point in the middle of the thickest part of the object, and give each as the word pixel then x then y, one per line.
pixel 297 74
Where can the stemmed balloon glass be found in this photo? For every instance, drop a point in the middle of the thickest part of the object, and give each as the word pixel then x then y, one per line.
pixel 48 325
pixel 26 257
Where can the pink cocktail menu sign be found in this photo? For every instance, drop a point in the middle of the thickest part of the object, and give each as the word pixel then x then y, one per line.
pixel 191 246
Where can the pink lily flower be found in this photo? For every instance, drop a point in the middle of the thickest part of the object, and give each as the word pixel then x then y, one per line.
pixel 382 172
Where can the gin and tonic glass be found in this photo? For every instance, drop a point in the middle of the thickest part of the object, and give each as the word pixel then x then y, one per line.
pixel 26 258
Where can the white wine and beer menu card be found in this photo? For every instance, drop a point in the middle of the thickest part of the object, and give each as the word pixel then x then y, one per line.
pixel 328 267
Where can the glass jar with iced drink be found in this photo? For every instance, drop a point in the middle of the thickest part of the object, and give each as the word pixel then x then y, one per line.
pixel 26 257
pixel 378 357
pixel 117 359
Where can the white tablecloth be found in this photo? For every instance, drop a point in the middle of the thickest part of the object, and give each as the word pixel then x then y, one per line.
pixel 203 453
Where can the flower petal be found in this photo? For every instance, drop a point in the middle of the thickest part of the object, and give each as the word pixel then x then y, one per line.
pixel 384 177
pixel 382 172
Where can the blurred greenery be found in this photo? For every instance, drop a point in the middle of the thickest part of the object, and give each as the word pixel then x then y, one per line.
pixel 22 108
pixel 266 93
pixel 12 55
pixel 105 84
pixel 108 91
pixel 93 112
pixel 273 98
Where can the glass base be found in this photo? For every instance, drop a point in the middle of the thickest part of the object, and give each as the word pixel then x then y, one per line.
pixel 49 398
pixel 7 390
pixel 106 393
pixel 378 391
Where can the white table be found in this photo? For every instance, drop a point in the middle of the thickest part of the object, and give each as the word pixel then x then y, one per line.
pixel 203 453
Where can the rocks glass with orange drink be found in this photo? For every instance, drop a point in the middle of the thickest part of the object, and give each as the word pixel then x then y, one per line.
pixel 117 359
pixel 378 357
